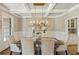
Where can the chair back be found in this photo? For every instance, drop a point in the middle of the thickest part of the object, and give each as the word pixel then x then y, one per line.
pixel 11 40
pixel 47 46
pixel 17 36
pixel 27 46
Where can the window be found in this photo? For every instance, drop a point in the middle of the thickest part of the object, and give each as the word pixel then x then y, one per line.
pixel 6 27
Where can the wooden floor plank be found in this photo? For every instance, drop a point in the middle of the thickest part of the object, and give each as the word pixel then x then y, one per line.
pixel 5 52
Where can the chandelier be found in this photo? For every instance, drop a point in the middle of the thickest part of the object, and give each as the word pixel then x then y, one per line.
pixel 39 23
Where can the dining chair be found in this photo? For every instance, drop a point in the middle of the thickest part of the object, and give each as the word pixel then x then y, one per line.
pixel 62 47
pixel 27 46
pixel 13 46
pixel 47 46
pixel 17 36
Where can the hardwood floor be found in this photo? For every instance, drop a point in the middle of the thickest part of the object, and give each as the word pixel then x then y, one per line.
pixel 5 52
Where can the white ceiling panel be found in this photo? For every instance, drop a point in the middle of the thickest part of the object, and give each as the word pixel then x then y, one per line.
pixel 38 14
pixel 24 14
pixel 15 6
pixel 64 5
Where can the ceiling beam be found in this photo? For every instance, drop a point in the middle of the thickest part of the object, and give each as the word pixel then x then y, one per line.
pixel 18 11
pixel 39 16
pixel 58 10
pixel 27 8
pixel 38 11
pixel 51 6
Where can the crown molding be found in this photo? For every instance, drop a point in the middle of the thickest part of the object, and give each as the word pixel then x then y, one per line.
pixel 6 10
pixel 71 9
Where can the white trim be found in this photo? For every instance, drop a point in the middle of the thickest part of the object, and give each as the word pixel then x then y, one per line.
pixel 40 17
pixel 37 11
pixel 58 10
pixel 6 11
pixel 12 25
pixel 71 17
pixel 26 9
pixel 51 6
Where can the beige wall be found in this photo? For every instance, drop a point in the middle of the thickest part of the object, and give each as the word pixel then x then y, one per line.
pixel 17 24
pixel 60 24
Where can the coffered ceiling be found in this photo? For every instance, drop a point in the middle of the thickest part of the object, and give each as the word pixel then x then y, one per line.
pixel 28 10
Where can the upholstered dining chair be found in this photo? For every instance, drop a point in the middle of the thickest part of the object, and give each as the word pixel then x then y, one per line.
pixel 62 48
pixel 62 38
pixel 13 45
pixel 27 46
pixel 47 46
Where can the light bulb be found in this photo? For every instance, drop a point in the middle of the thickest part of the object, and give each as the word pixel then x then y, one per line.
pixel 37 21
pixel 46 22
pixel 31 22
pixel 43 21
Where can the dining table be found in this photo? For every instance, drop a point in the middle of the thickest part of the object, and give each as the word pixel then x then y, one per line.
pixel 37 44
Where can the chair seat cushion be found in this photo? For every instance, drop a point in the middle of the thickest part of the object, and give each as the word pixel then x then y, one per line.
pixel 61 48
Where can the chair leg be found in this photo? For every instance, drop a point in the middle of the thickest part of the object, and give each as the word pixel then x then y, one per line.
pixel 10 52
pixel 20 53
pixel 66 52
pixel 56 52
